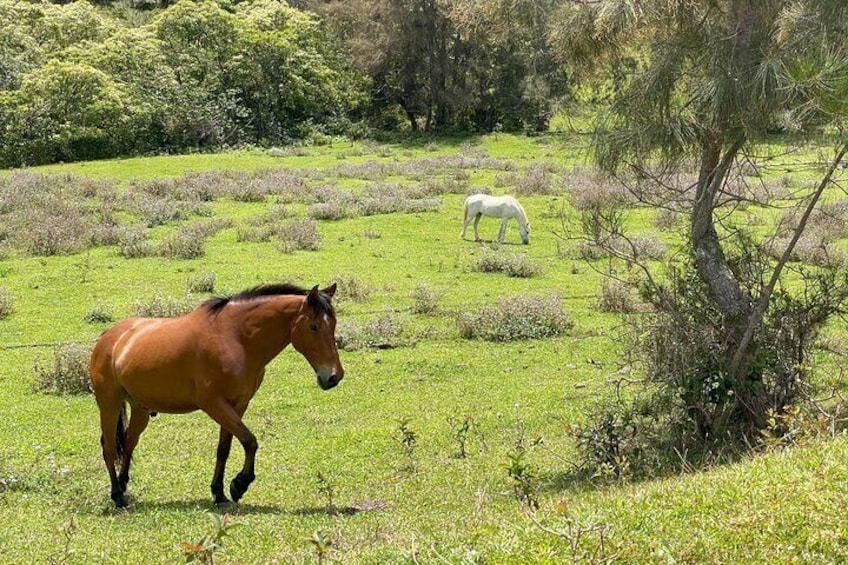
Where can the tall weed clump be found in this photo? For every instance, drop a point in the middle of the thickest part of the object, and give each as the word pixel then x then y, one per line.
pixel 165 307
pixel 515 318
pixel 518 265
pixel 66 373
pixel 7 302
pixel 298 235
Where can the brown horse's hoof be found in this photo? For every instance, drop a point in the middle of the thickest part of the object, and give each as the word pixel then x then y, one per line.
pixel 119 500
pixel 224 504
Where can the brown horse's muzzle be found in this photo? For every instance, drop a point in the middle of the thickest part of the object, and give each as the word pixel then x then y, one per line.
pixel 328 382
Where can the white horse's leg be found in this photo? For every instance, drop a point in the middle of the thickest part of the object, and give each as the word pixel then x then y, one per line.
pixel 464 227
pixel 477 217
pixel 502 231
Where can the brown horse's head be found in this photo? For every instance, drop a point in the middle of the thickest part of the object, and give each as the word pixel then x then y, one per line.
pixel 314 336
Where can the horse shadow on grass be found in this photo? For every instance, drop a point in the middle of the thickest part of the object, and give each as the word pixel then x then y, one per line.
pixel 240 509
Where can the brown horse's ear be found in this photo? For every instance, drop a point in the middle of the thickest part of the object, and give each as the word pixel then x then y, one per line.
pixel 330 290
pixel 312 296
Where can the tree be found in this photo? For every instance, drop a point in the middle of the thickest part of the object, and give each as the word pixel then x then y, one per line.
pixel 450 65
pixel 711 79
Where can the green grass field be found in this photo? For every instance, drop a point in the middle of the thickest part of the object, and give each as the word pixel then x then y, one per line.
pixel 392 504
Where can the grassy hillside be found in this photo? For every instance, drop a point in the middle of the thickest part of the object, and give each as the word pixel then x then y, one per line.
pixel 391 503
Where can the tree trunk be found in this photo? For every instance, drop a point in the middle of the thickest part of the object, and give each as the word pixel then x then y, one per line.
pixel 734 302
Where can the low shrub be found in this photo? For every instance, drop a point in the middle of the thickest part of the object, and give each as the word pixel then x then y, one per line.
pixel 616 296
pixel 382 331
pixel 202 283
pixel 100 314
pixel 165 307
pixel 134 243
pixel 185 243
pixel 537 180
pixel 66 373
pixel 7 302
pixel 351 288
pixel 514 265
pixel 514 318
pixel 424 300
pixel 299 235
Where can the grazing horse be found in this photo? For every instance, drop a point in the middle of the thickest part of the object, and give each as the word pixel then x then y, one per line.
pixel 212 359
pixel 503 207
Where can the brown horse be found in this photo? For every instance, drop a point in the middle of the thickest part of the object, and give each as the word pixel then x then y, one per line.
pixel 212 359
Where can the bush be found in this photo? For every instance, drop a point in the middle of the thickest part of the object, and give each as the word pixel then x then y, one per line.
pixel 383 331
pixel 100 314
pixel 67 373
pixel 514 318
pixel 424 300
pixel 616 296
pixel 7 302
pixel 202 283
pixel 334 210
pixel 351 288
pixel 518 265
pixel 134 243
pixel 165 307
pixel 587 192
pixel 156 211
pixel 185 243
pixel 536 180
pixel 299 234
pixel 51 224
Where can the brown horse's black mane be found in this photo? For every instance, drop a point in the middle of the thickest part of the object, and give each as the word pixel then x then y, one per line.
pixel 321 305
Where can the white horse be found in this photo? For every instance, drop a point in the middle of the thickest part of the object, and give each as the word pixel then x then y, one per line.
pixel 503 207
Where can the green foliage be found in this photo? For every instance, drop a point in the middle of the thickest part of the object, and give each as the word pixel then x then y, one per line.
pixel 201 283
pixel 212 543
pixel 522 479
pixel 81 84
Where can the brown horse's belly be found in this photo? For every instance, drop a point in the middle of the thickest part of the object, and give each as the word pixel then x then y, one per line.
pixel 155 366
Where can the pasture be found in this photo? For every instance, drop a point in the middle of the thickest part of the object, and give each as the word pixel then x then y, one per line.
pixel 406 461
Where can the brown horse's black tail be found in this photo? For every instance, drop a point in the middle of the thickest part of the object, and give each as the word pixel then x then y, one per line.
pixel 120 433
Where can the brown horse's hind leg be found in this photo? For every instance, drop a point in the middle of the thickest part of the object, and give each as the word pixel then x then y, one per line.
pixel 111 427
pixel 231 424
pixel 139 418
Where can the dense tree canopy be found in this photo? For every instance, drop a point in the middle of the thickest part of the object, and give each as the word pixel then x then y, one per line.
pixel 79 82
pixel 211 73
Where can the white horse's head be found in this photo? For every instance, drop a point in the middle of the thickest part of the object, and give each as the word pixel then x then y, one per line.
pixel 524 231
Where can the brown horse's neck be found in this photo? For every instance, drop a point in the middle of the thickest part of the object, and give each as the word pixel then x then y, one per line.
pixel 266 325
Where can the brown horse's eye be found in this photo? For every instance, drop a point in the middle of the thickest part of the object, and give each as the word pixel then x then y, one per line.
pixel 313 326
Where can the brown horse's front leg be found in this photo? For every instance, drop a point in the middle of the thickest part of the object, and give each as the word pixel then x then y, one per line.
pixel 238 486
pixel 231 424
pixel 225 441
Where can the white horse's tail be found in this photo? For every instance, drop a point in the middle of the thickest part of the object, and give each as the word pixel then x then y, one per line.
pixel 464 218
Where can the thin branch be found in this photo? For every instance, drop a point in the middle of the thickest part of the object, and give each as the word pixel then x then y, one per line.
pixel 760 310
